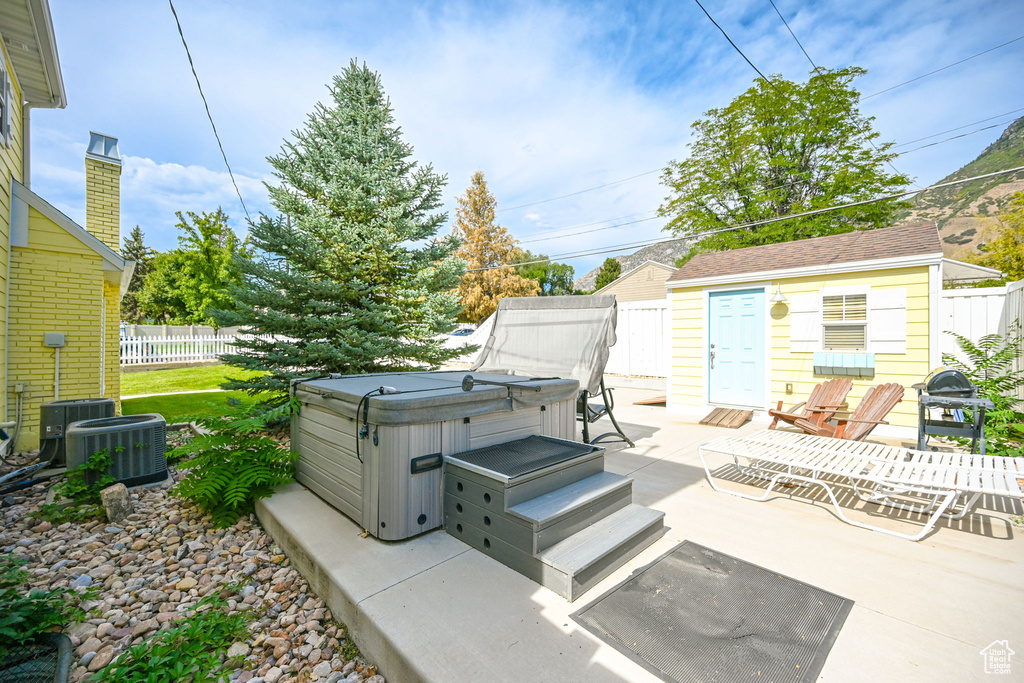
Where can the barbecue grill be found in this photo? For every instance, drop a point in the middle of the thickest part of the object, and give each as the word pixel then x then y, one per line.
pixel 951 392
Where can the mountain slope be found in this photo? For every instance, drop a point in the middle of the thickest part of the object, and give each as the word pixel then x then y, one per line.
pixel 965 212
pixel 664 252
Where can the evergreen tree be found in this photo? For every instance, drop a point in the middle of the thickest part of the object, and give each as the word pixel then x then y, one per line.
pixel 350 277
pixel 609 273
pixel 778 149
pixel 485 244
pixel 136 250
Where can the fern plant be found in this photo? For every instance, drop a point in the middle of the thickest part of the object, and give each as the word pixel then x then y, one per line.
pixel 232 466
pixel 991 365
pixel 25 615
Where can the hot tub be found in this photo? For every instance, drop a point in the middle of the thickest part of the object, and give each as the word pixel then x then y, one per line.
pixel 378 457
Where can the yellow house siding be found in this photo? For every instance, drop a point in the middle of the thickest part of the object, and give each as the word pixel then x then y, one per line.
pixel 11 156
pixel 689 356
pixel 57 286
pixel 643 284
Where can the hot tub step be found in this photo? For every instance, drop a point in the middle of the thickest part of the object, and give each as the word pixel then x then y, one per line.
pixel 557 515
pixel 592 554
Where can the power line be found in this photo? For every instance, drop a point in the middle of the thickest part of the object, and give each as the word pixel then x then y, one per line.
pixel 948 66
pixel 573 194
pixel 585 232
pixel 754 224
pixel 966 125
pixel 737 48
pixel 955 137
pixel 207 106
pixel 828 85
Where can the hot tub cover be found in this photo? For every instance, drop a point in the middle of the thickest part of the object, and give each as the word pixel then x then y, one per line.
pixel 552 336
pixel 425 397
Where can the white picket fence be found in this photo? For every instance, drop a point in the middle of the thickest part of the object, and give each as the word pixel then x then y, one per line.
pixel 641 346
pixel 174 349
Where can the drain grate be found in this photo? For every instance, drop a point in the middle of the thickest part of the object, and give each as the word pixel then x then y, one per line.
pixel 700 615
pixel 523 456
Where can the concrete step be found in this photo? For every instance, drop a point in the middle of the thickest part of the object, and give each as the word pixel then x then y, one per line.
pixel 590 555
pixel 558 514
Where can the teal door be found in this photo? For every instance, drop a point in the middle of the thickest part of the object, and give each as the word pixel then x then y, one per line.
pixel 736 338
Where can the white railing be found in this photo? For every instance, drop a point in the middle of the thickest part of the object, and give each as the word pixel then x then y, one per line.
pixel 641 346
pixel 175 349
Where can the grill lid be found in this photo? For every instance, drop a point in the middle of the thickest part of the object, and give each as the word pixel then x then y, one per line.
pixel 948 382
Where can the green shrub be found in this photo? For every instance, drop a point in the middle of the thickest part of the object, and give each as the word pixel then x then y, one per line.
pixel 191 651
pixel 233 466
pixel 990 366
pixel 80 490
pixel 24 616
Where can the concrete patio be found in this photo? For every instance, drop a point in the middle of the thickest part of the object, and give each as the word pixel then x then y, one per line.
pixel 431 608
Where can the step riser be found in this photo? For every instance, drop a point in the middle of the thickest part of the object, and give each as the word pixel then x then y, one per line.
pixel 603 567
pixel 581 519
pixel 520 493
pixel 508 530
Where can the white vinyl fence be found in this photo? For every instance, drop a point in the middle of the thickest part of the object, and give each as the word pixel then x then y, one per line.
pixel 173 349
pixel 1013 312
pixel 641 346
pixel 971 313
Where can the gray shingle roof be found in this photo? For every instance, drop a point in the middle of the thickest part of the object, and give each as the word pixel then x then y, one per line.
pixel 860 245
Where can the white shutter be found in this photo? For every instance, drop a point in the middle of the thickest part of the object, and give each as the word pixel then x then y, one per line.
pixel 887 321
pixel 804 323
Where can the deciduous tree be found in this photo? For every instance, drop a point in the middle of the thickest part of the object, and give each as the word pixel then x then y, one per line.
pixel 1004 249
pixel 485 244
pixel 555 279
pixel 778 149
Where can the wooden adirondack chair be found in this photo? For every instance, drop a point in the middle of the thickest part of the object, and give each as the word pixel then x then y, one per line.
pixel 870 412
pixel 825 399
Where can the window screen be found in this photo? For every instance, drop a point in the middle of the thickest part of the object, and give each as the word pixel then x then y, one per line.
pixel 845 318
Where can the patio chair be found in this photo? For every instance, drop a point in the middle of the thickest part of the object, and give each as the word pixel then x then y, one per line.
pixel 927 482
pixel 558 336
pixel 825 399
pixel 878 401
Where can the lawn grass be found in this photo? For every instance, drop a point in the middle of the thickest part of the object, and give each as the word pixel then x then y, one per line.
pixel 180 379
pixel 181 407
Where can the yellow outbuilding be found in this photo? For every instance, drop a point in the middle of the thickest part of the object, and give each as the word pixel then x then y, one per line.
pixel 755 326
pixel 62 283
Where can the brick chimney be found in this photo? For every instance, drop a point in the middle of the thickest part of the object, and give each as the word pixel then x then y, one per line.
pixel 103 190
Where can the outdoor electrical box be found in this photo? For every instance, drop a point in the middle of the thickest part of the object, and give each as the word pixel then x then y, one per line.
pixel 54 340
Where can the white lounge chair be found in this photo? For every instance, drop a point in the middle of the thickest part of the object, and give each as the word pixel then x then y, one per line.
pixel 875 471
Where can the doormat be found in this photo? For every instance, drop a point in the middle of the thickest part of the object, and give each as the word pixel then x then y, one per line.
pixel 697 614
pixel 727 417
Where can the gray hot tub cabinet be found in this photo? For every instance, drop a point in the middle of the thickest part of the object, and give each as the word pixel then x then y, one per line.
pixel 393 489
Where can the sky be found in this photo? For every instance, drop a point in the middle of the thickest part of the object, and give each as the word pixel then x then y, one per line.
pixel 546 98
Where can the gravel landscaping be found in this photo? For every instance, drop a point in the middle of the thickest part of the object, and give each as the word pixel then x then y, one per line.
pixel 160 563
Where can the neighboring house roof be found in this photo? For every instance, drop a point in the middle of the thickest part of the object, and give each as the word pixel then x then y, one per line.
pixel 662 252
pixel 670 269
pixel 28 34
pixel 894 243
pixel 118 268
pixel 968 272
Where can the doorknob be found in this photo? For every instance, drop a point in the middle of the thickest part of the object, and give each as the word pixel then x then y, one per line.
pixel 712 356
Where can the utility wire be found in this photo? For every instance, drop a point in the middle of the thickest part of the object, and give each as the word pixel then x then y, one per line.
pixel 955 137
pixel 737 48
pixel 585 232
pixel 966 125
pixel 207 106
pixel 948 66
pixel 573 194
pixel 815 67
pixel 754 224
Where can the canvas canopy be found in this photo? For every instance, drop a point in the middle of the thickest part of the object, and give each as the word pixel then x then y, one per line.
pixel 552 336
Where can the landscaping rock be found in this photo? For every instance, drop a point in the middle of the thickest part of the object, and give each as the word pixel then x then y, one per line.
pixel 238 650
pixel 117 503
pixel 273 675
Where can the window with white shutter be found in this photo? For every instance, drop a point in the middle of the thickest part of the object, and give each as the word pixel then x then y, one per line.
pixel 844 320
